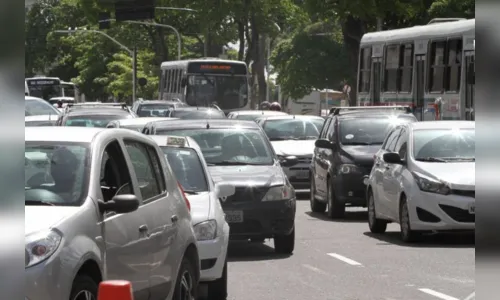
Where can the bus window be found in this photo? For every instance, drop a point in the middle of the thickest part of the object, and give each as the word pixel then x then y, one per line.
pixel 175 81
pixel 454 65
pixel 437 67
pixel 168 81
pixel 364 69
pixel 391 68
pixel 406 62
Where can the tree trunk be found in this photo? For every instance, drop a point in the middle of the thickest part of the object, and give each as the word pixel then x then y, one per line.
pixel 353 29
pixel 241 37
pixel 163 46
pixel 261 74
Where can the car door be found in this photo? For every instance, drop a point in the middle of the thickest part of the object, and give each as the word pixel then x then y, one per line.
pixel 394 175
pixel 322 165
pixel 160 224
pixel 379 170
pixel 387 180
pixel 127 255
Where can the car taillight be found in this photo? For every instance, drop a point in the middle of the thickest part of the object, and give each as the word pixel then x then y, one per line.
pixel 184 195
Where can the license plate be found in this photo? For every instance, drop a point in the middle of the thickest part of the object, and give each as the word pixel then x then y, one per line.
pixel 302 174
pixel 234 216
pixel 472 209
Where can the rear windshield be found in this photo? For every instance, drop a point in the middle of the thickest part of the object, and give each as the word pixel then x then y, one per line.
pixel 154 110
pixel 100 121
pixel 367 131
pixel 293 129
pixel 198 114
pixel 187 168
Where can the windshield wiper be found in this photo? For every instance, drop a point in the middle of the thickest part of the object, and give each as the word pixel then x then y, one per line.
pixel 190 192
pixel 38 202
pixel 234 163
pixel 430 159
pixel 460 158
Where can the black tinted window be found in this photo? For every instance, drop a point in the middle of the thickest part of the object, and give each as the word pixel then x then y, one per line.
pixel 366 131
pixel 154 110
pixel 92 120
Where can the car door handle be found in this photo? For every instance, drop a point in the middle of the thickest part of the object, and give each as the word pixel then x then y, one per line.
pixel 174 219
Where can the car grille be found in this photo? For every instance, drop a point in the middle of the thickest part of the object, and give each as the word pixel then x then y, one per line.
pixel 464 193
pixel 246 194
pixel 458 214
pixel 304 160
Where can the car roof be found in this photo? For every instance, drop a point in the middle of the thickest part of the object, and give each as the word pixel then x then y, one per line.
pixel 33 98
pixel 203 124
pixel 142 120
pixel 41 118
pixel 203 108
pixel 98 111
pixel 258 112
pixel 158 102
pixel 374 114
pixel 443 124
pixel 291 117
pixel 61 134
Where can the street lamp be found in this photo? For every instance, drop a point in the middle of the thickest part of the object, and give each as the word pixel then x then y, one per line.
pixel 130 52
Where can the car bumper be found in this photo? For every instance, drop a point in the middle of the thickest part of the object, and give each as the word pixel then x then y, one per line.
pixel 350 189
pixel 430 211
pixel 262 219
pixel 213 256
pixel 47 281
pixel 299 176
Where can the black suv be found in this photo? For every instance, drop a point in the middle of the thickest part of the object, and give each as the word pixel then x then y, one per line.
pixel 94 114
pixel 343 155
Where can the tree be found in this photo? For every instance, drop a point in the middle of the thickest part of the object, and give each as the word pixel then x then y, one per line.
pixel 453 9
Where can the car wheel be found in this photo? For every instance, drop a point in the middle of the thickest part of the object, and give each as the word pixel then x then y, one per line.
pixel 285 243
pixel 186 286
pixel 84 288
pixel 376 225
pixel 407 234
pixel 218 289
pixel 335 209
pixel 316 206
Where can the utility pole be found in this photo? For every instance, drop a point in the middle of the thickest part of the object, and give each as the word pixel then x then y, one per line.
pixel 134 75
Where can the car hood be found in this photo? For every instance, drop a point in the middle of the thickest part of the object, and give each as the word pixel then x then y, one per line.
pixel 200 207
pixel 248 175
pixel 360 155
pixel 460 175
pixel 294 148
pixel 38 218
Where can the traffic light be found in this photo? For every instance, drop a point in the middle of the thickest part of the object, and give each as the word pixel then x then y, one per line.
pixel 134 10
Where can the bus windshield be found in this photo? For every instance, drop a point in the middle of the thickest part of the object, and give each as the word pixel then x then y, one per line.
pixel 69 90
pixel 228 92
pixel 44 91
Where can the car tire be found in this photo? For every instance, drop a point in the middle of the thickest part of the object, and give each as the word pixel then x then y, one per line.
pixel 376 225
pixel 84 288
pixel 218 289
pixel 186 285
pixel 316 206
pixel 335 210
pixel 285 243
pixel 408 235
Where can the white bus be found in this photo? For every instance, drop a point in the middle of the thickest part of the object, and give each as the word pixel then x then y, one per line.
pixel 43 87
pixel 206 81
pixel 69 89
pixel 430 68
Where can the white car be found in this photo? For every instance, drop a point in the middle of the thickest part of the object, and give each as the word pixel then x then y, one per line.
pixel 211 229
pixel 424 179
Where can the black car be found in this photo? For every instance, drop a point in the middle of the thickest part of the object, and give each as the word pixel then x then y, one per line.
pixel 93 115
pixel 239 153
pixel 195 113
pixel 154 108
pixel 343 156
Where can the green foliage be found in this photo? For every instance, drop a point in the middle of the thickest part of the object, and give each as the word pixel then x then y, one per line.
pixel 453 9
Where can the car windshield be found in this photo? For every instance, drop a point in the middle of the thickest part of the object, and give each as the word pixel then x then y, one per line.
pixel 198 114
pixel 39 108
pixel 445 144
pixel 229 146
pixel 293 129
pixel 55 173
pixel 367 131
pixel 154 110
pixel 248 117
pixel 91 120
pixel 187 167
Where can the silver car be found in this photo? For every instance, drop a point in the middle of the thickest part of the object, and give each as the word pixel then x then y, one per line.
pixel 104 204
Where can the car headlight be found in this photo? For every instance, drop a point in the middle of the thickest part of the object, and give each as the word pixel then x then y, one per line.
pixel 205 231
pixel 348 169
pixel 427 184
pixel 40 246
pixel 282 192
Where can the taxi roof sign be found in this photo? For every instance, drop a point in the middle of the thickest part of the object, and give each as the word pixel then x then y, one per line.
pixel 176 141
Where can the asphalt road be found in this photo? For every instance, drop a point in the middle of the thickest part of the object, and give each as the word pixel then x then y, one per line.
pixel 342 260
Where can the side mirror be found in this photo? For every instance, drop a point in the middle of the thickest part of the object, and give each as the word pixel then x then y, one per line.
pixel 224 190
pixel 392 158
pixel 323 143
pixel 120 204
pixel 289 161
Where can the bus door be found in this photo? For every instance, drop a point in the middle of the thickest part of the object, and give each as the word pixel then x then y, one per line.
pixel 418 95
pixel 469 85
pixel 376 79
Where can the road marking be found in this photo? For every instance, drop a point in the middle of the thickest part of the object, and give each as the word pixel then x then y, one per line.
pixel 314 269
pixel 344 259
pixel 438 294
pixel 471 296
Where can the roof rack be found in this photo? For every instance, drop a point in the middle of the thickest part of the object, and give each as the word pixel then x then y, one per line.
pixel 443 20
pixel 337 110
pixel 215 106
pixel 122 105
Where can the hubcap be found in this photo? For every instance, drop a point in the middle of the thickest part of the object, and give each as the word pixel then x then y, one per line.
pixel 186 287
pixel 84 295
pixel 371 210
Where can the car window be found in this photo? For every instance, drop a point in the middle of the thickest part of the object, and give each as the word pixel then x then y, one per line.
pixel 56 172
pixel 154 110
pixel 367 131
pixel 187 167
pixel 390 141
pixel 160 175
pixel 444 143
pixel 401 144
pixel 293 129
pixel 324 129
pixel 100 121
pixel 229 145
pixel 38 108
pixel 248 117
pixel 144 169
pixel 197 114
pixel 330 132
